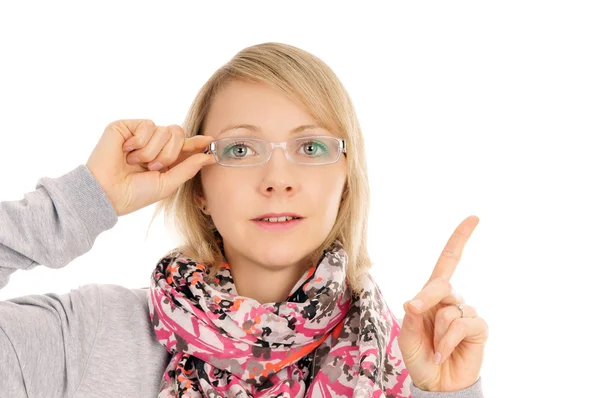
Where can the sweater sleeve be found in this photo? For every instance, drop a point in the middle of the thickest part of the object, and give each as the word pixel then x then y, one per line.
pixel 46 340
pixel 474 391
pixel 54 224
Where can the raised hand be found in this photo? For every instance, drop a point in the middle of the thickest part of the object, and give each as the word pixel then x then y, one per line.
pixel 435 331
pixel 165 160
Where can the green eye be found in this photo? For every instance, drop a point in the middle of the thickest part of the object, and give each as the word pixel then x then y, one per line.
pixel 314 148
pixel 237 150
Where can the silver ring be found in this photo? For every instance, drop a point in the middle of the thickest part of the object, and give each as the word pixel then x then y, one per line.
pixel 462 312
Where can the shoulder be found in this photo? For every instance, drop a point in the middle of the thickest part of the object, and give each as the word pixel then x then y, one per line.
pixel 117 296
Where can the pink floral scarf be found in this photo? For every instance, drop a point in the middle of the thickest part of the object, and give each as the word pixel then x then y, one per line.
pixel 320 342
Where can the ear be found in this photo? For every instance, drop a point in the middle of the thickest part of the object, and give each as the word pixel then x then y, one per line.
pixel 201 202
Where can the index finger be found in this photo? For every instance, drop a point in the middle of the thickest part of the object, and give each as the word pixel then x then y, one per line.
pixel 192 146
pixel 197 143
pixel 453 250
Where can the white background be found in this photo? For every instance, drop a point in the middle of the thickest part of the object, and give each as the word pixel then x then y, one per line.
pixel 466 107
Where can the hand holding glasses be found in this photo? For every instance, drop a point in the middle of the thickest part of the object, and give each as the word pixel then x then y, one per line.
pixel 244 151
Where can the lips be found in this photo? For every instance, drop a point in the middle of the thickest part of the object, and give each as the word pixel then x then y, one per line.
pixel 277 215
pixel 277 226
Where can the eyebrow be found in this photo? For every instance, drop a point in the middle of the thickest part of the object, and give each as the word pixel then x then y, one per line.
pixel 256 129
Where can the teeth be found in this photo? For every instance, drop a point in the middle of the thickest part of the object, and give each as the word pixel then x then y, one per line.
pixel 278 219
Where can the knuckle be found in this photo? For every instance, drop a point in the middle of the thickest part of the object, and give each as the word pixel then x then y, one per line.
pixel 450 315
pixel 451 254
pixel 444 284
pixel 166 155
pixel 460 233
pixel 177 130
pixel 148 124
pixel 445 315
pixel 161 131
pixel 166 134
pixel 144 131
pixel 438 281
pixel 119 122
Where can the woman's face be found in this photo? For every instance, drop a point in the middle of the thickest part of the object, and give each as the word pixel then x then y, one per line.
pixel 236 196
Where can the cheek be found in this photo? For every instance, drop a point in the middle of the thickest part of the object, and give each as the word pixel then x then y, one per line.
pixel 223 192
pixel 327 192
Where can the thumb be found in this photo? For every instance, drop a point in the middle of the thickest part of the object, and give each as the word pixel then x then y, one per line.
pixel 188 168
pixel 412 334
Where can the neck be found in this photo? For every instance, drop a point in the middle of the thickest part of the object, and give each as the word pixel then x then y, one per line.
pixel 265 284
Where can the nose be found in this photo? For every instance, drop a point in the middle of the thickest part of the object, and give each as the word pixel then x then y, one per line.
pixel 278 177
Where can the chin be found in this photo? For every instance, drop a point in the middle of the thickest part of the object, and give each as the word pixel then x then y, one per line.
pixel 280 254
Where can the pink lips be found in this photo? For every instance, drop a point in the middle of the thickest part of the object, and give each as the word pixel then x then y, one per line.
pixel 277 226
pixel 269 215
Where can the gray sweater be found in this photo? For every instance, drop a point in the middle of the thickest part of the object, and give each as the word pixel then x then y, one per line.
pixel 97 340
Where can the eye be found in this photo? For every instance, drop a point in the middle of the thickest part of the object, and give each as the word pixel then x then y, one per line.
pixel 238 150
pixel 313 148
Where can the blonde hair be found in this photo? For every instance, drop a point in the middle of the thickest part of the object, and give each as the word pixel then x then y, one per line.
pixel 307 80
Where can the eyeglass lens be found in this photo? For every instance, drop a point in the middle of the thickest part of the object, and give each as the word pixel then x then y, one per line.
pixel 248 151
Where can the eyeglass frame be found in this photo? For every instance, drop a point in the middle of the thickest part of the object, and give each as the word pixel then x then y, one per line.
pixel 279 144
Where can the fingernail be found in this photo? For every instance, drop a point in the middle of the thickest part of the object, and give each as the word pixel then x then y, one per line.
pixel 155 166
pixel 128 149
pixel 134 160
pixel 437 358
pixel 418 304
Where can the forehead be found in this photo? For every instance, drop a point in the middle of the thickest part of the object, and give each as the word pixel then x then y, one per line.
pixel 257 110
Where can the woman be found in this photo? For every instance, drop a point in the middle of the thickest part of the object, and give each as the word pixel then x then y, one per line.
pixel 279 207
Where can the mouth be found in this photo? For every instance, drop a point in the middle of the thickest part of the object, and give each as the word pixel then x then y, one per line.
pixel 278 217
pixel 277 222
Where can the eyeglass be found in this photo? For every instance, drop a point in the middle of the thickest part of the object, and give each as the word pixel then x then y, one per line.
pixel 243 151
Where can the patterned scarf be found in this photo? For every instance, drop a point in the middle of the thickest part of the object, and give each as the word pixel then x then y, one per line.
pixel 320 342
